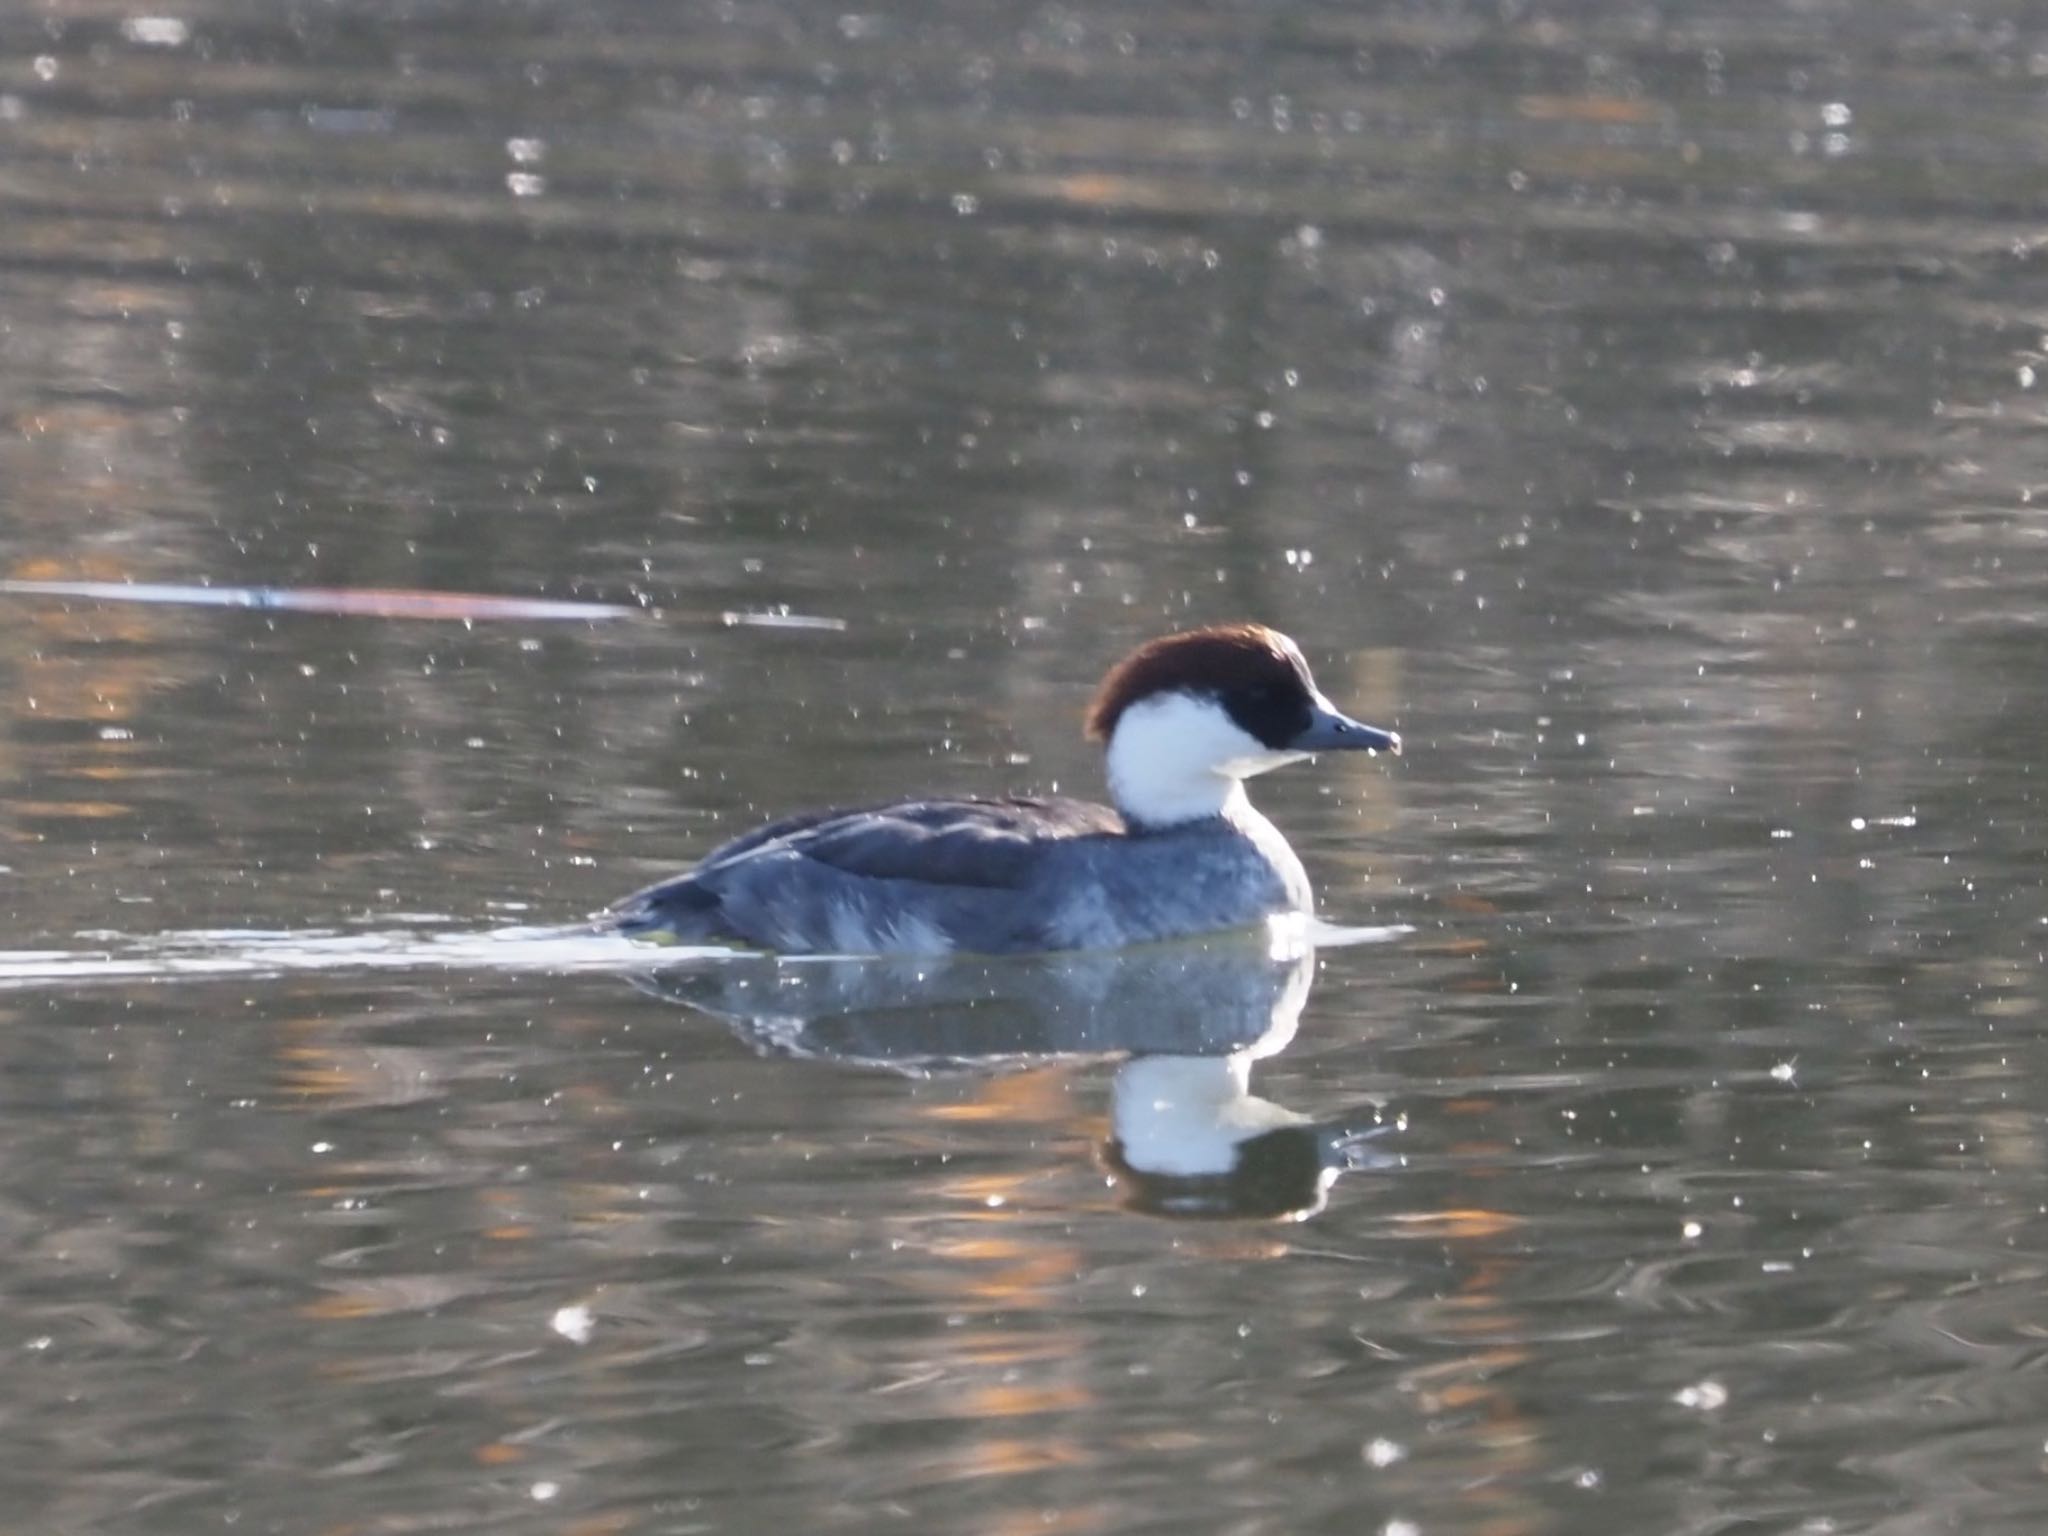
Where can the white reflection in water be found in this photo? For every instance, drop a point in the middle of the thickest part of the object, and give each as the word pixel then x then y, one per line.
pixel 1187 1020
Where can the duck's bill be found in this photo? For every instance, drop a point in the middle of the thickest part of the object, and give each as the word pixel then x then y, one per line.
pixel 1333 731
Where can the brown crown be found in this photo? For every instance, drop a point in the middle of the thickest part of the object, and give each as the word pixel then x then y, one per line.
pixel 1222 659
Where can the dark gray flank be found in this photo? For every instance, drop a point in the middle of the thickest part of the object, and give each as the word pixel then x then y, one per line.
pixel 1003 876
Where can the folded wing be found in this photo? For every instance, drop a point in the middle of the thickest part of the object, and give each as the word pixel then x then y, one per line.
pixel 920 877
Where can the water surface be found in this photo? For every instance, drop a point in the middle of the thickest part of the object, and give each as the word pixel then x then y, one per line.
pixel 1636 406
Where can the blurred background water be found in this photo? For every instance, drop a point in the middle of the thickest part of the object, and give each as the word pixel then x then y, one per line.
pixel 1636 404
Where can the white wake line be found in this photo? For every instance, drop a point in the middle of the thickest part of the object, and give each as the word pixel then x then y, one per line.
pixel 200 954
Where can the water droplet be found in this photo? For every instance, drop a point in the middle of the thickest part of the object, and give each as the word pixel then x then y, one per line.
pixel 575 1324
pixel 1383 1452
pixel 1704 1395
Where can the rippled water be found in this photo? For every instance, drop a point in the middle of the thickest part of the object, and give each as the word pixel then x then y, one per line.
pixel 1637 406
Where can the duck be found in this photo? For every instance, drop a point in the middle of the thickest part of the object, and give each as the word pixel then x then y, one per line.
pixel 1184 720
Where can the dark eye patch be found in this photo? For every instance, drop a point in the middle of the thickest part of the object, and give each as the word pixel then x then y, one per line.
pixel 1274 709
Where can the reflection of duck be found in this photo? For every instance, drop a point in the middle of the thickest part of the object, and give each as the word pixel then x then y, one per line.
pixel 1188 1137
pixel 1186 720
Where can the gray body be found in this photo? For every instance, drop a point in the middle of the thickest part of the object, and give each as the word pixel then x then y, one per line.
pixel 990 877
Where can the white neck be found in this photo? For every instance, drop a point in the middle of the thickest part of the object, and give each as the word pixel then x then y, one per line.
pixel 1177 757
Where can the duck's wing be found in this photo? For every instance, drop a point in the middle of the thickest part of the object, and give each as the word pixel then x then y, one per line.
pixel 918 877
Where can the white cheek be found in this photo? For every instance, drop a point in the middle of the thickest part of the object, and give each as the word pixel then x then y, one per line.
pixel 1182 733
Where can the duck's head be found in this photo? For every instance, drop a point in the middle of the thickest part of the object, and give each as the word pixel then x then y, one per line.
pixel 1187 717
